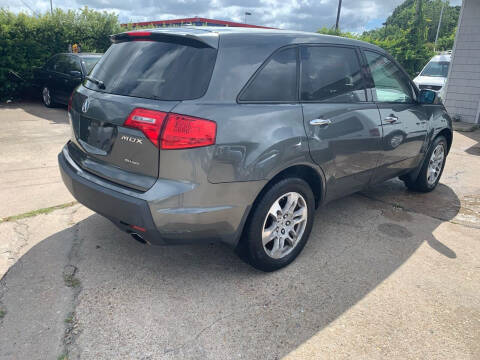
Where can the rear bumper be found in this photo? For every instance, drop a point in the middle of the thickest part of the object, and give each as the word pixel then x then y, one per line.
pixel 171 212
pixel 123 210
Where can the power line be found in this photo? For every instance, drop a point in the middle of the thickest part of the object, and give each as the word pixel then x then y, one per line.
pixel 28 6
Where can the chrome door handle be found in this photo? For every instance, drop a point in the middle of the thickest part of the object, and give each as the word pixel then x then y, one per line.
pixel 320 122
pixel 391 119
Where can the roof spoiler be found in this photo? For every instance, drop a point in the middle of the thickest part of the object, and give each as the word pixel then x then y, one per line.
pixel 207 39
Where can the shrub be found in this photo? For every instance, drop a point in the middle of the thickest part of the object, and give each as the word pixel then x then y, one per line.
pixel 28 41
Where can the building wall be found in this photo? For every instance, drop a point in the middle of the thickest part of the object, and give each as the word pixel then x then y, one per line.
pixel 462 95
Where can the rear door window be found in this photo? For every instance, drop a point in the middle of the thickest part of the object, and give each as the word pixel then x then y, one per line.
pixel 74 64
pixel 276 81
pixel 331 74
pixel 155 70
pixel 62 64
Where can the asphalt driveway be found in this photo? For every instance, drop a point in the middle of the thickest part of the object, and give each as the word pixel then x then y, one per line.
pixel 387 273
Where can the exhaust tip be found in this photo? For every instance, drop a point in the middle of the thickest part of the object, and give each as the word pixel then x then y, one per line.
pixel 139 238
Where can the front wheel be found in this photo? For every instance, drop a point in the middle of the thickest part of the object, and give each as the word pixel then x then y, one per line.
pixel 432 167
pixel 280 224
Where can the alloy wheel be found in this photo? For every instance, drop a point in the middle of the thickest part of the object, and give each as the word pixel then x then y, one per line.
pixel 284 225
pixel 435 164
pixel 46 96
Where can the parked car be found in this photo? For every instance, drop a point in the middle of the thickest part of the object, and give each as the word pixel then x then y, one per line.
pixel 434 75
pixel 61 74
pixel 238 135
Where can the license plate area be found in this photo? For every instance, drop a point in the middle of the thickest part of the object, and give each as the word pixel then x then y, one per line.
pixel 98 134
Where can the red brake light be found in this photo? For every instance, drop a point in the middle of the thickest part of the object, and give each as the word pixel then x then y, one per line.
pixel 70 102
pixel 139 33
pixel 148 121
pixel 183 132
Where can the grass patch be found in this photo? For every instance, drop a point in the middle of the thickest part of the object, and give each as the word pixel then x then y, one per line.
pixel 71 281
pixel 2 313
pixel 33 213
pixel 62 357
pixel 70 318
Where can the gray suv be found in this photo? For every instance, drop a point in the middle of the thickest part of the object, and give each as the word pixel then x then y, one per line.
pixel 238 135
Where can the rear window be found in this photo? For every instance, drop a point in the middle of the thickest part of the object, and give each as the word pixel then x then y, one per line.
pixel 276 81
pixel 155 70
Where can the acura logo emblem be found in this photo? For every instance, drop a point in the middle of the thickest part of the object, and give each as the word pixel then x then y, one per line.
pixel 85 105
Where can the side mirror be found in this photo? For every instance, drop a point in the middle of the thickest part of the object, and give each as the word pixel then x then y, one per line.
pixel 427 96
pixel 76 74
pixel 417 73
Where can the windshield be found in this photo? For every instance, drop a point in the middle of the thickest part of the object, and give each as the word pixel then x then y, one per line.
pixel 436 69
pixel 155 70
pixel 89 62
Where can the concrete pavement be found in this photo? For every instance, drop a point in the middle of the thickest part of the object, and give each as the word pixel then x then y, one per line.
pixel 386 273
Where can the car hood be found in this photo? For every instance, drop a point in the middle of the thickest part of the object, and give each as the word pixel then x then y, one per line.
pixel 429 80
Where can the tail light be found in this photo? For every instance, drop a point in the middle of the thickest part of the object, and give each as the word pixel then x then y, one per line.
pixel 183 132
pixel 70 102
pixel 148 121
pixel 179 131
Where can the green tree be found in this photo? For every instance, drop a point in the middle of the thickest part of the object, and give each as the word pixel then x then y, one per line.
pixel 409 33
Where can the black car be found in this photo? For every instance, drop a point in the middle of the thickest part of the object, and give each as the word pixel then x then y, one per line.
pixel 61 74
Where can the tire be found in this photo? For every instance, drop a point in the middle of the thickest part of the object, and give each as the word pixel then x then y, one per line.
pixel 432 168
pixel 47 98
pixel 272 256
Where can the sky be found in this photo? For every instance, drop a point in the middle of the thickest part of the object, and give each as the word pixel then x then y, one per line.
pixel 306 15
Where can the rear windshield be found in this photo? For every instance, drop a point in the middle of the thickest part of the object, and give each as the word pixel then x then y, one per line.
pixel 155 70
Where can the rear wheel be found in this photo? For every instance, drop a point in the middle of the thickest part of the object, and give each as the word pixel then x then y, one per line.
pixel 432 168
pixel 280 224
pixel 47 97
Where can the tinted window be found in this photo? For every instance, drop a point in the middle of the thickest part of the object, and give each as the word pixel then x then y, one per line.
pixel 62 64
pixel 436 69
pixel 74 64
pixel 331 74
pixel 50 65
pixel 155 70
pixel 391 85
pixel 277 81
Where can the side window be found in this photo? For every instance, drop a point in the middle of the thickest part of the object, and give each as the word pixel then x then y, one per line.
pixel 62 64
pixel 74 64
pixel 391 85
pixel 331 73
pixel 277 81
pixel 50 64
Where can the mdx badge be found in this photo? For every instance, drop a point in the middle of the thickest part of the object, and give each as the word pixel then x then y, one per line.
pixel 131 139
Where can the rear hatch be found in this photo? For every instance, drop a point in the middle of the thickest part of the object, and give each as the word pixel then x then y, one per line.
pixel 118 114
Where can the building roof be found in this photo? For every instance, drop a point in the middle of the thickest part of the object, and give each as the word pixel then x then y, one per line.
pixel 185 21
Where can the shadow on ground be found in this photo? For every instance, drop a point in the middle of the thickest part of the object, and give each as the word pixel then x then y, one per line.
pixel 35 107
pixel 474 149
pixel 201 301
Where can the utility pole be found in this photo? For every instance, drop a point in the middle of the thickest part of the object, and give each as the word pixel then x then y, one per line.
pixel 438 28
pixel 246 13
pixel 338 14
pixel 51 7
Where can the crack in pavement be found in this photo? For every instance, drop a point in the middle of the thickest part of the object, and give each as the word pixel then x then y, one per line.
pixel 72 331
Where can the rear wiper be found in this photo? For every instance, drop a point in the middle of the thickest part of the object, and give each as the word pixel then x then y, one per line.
pixel 97 82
